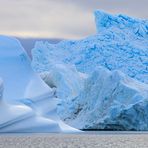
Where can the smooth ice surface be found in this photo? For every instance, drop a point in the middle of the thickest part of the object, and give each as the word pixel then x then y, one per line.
pixel 121 43
pixel 27 104
pixel 10 114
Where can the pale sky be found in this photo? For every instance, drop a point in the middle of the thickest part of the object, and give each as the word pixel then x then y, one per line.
pixel 71 19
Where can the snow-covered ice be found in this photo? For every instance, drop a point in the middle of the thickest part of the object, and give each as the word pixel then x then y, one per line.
pixel 27 104
pixel 108 88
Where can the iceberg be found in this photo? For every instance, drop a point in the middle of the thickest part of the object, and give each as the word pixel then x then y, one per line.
pixel 107 88
pixel 121 43
pixel 27 104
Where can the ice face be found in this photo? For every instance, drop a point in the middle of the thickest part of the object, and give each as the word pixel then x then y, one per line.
pixel 107 100
pixel 27 104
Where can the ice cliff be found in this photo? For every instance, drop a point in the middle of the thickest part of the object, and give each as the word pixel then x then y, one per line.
pixel 27 104
pixel 108 88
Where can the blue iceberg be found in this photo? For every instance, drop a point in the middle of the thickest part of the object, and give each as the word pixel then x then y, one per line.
pixel 101 81
pixel 121 43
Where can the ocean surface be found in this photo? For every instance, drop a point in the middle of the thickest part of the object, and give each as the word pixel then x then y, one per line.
pixel 91 139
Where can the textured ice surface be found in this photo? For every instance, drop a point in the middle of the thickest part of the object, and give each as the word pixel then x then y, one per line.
pixel 67 82
pixel 27 104
pixel 121 43
pixel 105 100
pixel 110 100
pixel 100 98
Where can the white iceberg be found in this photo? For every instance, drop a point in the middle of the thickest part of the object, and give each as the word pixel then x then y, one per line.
pixel 27 104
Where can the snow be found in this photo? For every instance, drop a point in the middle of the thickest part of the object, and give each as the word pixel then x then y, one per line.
pixel 121 43
pixel 102 80
pixel 27 104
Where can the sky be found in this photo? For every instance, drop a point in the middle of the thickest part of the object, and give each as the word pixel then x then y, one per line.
pixel 68 19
